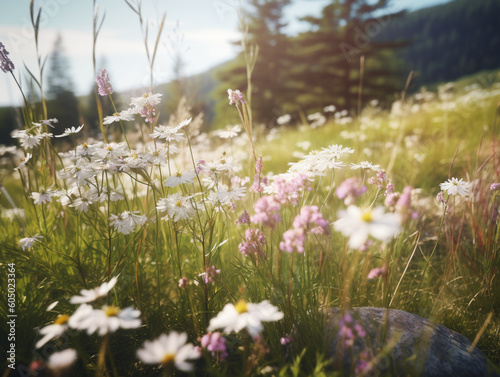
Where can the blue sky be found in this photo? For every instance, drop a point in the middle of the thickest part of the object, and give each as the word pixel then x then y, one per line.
pixel 207 27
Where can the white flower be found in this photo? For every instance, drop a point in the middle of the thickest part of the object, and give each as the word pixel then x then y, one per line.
pixel 105 320
pixel 28 242
pixel 245 315
pixel 329 109
pixel 93 294
pixel 454 186
pixel 27 140
pixel 284 119
pixel 126 222
pixel 225 196
pixel 69 131
pixel 358 224
pixel 147 99
pixel 125 115
pixel 171 348
pixel 42 197
pixel 365 165
pixel 177 207
pixel 180 178
pixel 24 161
pixel 228 133
pixel 62 360
pixel 54 330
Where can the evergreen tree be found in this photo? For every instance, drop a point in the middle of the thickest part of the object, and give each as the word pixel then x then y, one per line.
pixel 330 54
pixel 269 80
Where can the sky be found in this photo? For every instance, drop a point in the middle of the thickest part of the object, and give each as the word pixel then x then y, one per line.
pixel 202 29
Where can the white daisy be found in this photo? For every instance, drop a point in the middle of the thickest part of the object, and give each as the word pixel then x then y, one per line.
pixel 106 320
pixel 42 197
pixel 93 294
pixel 245 315
pixel 180 178
pixel 125 115
pixel 454 186
pixel 28 242
pixel 177 207
pixel 24 161
pixel 365 165
pixel 147 99
pixel 60 361
pixel 228 133
pixel 27 140
pixel 126 222
pixel 358 224
pixel 70 131
pixel 54 330
pixel 167 349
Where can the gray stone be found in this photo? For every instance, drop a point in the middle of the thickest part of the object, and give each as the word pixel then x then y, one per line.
pixel 404 344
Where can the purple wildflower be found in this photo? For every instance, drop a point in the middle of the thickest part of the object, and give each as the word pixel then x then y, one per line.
pixel 235 97
pixel 6 63
pixel 104 86
pixel 440 198
pixel 215 343
pixel 254 240
pixel 243 219
pixel 266 211
pixel 377 272
pixel 349 190
pixel 209 275
pixel 495 186
pixel 293 239
pixel 183 282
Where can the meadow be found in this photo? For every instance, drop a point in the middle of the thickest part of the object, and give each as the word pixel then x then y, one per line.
pixel 165 250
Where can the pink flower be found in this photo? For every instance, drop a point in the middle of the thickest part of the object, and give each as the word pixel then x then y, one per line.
pixel 235 97
pixel 266 212
pixel 288 191
pixel 215 343
pixel 104 86
pixel 377 272
pixel 183 282
pixel 405 198
pixel 391 200
pixel 258 180
pixel 495 186
pixel 440 198
pixel 254 240
pixel 309 215
pixel 293 240
pixel 349 190
pixel 209 275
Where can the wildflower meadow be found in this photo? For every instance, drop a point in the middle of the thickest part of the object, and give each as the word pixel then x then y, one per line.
pixel 154 248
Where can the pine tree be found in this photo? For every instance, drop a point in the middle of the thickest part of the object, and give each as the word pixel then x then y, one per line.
pixel 329 55
pixel 270 84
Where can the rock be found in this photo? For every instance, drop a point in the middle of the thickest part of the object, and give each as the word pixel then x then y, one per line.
pixel 404 344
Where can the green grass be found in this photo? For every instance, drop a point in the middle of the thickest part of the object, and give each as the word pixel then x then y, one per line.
pixel 446 271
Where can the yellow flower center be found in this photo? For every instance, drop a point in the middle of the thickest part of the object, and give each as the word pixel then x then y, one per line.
pixel 367 217
pixel 178 204
pixel 168 358
pixel 145 95
pixel 241 307
pixel 178 174
pixel 112 311
pixel 62 319
pixel 109 148
pixel 116 114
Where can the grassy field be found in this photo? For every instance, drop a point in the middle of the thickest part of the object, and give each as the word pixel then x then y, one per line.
pixel 190 250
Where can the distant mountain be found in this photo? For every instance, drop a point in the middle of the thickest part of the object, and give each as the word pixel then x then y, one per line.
pixel 448 41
